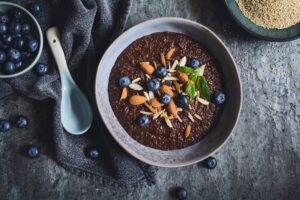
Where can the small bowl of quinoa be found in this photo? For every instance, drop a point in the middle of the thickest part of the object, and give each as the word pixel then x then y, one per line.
pixel 267 19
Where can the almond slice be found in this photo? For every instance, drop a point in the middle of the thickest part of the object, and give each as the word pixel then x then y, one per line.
pixel 147 76
pixel 146 67
pixel 190 117
pixel 183 76
pixel 155 103
pixel 137 100
pixel 150 108
pixel 187 131
pixel 136 80
pixel 168 122
pixel 156 115
pixel 175 63
pixel 179 109
pixel 163 60
pixel 170 78
pixel 172 108
pixel 146 113
pixel 177 86
pixel 155 65
pixel 124 94
pixel 203 101
pixel 198 116
pixel 172 70
pixel 200 70
pixel 182 61
pixel 136 87
pixel 179 119
pixel 166 89
pixel 147 96
pixel 170 53
pixel 151 95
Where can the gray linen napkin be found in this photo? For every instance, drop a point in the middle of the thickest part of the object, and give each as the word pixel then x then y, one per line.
pixel 87 27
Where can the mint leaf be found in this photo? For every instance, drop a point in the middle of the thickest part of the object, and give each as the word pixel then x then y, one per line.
pixel 190 89
pixel 187 70
pixel 202 86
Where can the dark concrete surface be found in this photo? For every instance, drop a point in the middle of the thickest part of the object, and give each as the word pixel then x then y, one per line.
pixel 260 161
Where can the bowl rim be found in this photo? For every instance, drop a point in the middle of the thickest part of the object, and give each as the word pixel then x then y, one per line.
pixel 41 41
pixel 105 120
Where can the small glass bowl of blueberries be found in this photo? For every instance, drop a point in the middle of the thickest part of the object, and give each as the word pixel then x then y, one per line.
pixel 21 39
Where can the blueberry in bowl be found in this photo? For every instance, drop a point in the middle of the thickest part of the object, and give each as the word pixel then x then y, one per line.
pixel 21 40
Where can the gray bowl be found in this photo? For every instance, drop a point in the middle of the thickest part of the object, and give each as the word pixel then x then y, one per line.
pixel 4 6
pixel 218 135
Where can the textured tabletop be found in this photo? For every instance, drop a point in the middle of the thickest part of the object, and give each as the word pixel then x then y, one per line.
pixel 260 161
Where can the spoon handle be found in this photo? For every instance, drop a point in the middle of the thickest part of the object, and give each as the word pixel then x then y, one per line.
pixel 53 37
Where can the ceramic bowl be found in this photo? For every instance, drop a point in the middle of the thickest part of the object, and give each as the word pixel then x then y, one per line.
pixel 36 30
pixel 218 135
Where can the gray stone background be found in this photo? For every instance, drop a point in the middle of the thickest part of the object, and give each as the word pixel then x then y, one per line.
pixel 260 161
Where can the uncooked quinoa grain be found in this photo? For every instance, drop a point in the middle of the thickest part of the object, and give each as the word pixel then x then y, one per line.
pixel 278 14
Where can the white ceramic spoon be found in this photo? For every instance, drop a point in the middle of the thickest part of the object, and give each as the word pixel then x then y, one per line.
pixel 76 112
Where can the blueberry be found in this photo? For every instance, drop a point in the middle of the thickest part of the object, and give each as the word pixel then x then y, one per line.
pixel 165 98
pixel 17 14
pixel 22 121
pixel 41 69
pixel 33 151
pixel 93 152
pixel 181 193
pixel 18 65
pixel 153 85
pixel 13 55
pixel 161 72
pixel 32 45
pixel 6 39
pixel 35 8
pixel 182 101
pixel 8 67
pixel 5 125
pixel 210 162
pixel 124 81
pixel 193 63
pixel 4 18
pixel 219 98
pixel 14 28
pixel 2 56
pixel 3 28
pixel 18 43
pixel 25 28
pixel 143 120
pixel 25 55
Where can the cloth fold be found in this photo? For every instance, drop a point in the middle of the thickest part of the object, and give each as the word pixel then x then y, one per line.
pixel 87 27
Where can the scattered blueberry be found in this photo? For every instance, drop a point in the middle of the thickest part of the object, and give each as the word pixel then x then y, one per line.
pixel 124 81
pixel 182 101
pixel 2 56
pixel 5 125
pixel 41 69
pixel 18 65
pixel 219 98
pixel 165 98
pixel 153 85
pixel 3 28
pixel 8 67
pixel 25 28
pixel 22 122
pixel 4 18
pixel 161 72
pixel 14 55
pixel 6 39
pixel 35 8
pixel 193 63
pixel 32 45
pixel 18 43
pixel 14 28
pixel 210 162
pixel 93 152
pixel 143 120
pixel 181 193
pixel 33 151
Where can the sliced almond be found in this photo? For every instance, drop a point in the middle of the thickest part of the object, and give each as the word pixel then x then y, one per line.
pixel 147 96
pixel 155 65
pixel 137 100
pixel 172 70
pixel 177 86
pixel 182 61
pixel 147 76
pixel 198 116
pixel 124 94
pixel 187 131
pixel 156 115
pixel 172 108
pixel 168 122
pixel 146 113
pixel 170 53
pixel 163 59
pixel 179 109
pixel 136 87
pixel 155 103
pixel 190 116
pixel 183 76
pixel 179 119
pixel 175 63
pixel 170 78
pixel 200 70
pixel 203 101
pixel 136 80
pixel 166 89
pixel 146 67
pixel 150 108
pixel 151 95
